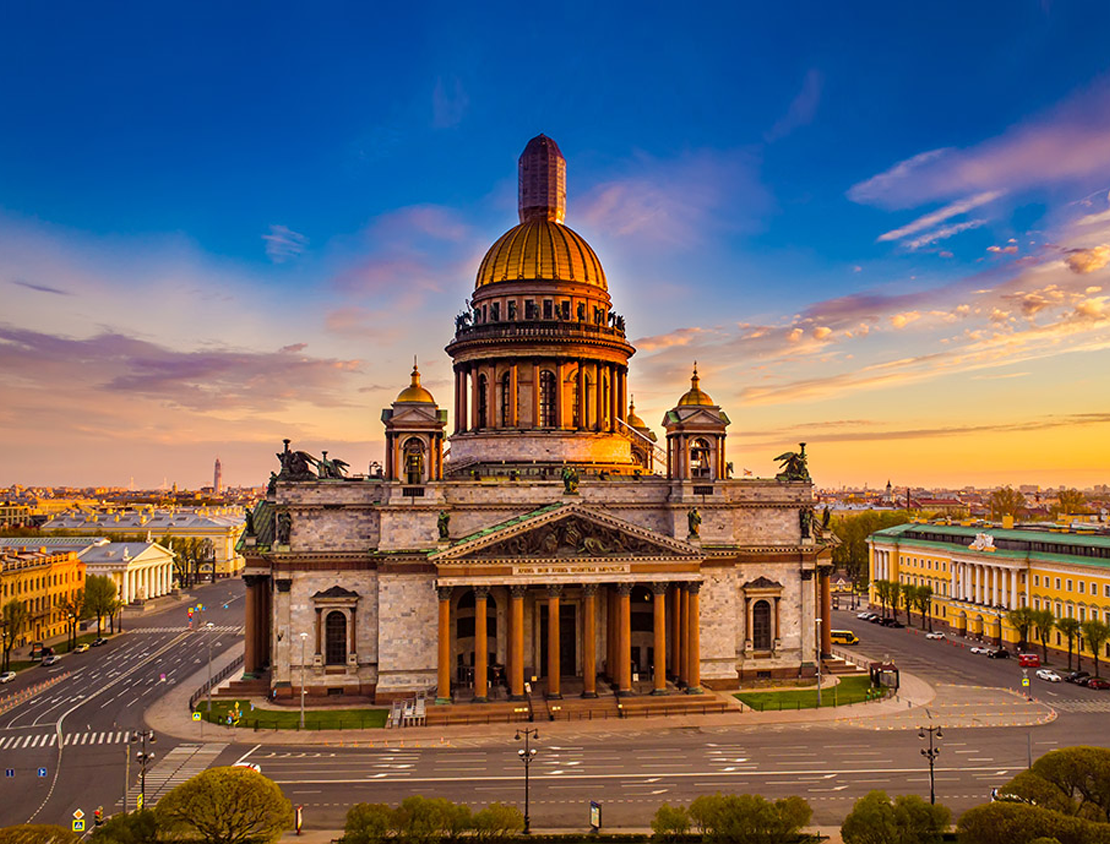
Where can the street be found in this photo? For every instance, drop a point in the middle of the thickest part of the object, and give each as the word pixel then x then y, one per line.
pixel 66 748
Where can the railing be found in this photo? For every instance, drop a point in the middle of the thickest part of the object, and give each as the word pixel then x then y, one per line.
pixel 544 329
pixel 217 678
pixel 656 451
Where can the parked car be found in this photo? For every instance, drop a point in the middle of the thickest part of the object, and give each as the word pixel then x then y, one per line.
pixel 7 677
pixel 1097 683
pixel 936 635
pixel 47 661
pixel 1076 677
pixel 875 618
pixel 1029 660
pixel 980 649
pixel 98 642
pixel 866 615
pixel 80 649
pixel 892 622
pixel 1048 675
pixel 1001 653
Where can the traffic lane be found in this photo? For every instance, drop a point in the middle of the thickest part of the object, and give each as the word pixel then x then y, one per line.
pixel 940 660
pixel 222 600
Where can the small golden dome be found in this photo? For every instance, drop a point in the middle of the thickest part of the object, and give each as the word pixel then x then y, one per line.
pixel 634 421
pixel 695 396
pixel 414 392
pixel 541 249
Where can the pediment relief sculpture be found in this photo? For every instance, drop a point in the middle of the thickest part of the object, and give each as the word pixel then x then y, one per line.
pixel 572 537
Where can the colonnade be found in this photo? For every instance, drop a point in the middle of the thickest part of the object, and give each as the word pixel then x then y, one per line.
pixel 602 387
pixel 258 622
pixel 676 627
pixel 148 582
pixel 990 585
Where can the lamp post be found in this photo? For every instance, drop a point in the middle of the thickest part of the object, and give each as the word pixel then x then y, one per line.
pixel 304 638
pixel 818 662
pixel 143 758
pixel 527 753
pixel 210 627
pixel 931 753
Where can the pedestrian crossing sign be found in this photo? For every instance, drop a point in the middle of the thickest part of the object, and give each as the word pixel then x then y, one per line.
pixel 78 825
pixel 9 772
pixel 42 772
pixel 196 716
pixel 1025 681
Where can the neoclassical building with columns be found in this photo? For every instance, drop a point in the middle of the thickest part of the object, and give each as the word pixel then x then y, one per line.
pixel 537 538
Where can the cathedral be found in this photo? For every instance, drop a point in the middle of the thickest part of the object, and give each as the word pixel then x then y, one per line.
pixel 546 542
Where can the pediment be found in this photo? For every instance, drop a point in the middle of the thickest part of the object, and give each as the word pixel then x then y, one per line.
pixel 568 532
pixel 418 413
pixel 334 593
pixel 762 583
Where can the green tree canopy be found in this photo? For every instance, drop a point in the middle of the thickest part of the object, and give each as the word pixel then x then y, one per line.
pixel 100 597
pixel 1069 627
pixel 139 827
pixel 852 530
pixel 1007 822
pixel 1006 501
pixel 1095 633
pixel 1073 780
pixel 34 833
pixel 228 806
pixel 907 819
pixel 14 615
pixel 749 818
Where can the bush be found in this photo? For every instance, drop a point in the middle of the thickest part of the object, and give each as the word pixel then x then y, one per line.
pixel 1072 780
pixel 428 820
pixel 37 833
pixel 496 821
pixel 227 806
pixel 367 823
pixel 749 818
pixel 139 827
pixel 908 819
pixel 1020 823
pixel 670 822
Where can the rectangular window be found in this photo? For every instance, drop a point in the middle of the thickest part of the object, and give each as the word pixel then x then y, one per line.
pixel 512 310
pixel 1036 580
pixel 1070 586
pixel 566 310
pixel 495 311
pixel 529 309
pixel 548 313
pixel 1057 583
pixel 1082 587
pixel 1036 603
pixel 1094 588
pixel 1107 590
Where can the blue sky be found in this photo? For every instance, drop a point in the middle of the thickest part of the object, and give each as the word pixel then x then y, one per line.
pixel 218 227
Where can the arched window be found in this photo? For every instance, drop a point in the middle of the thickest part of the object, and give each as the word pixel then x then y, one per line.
pixel 483 402
pixel 547 399
pixel 761 626
pixel 700 464
pixel 414 461
pixel 507 399
pixel 335 638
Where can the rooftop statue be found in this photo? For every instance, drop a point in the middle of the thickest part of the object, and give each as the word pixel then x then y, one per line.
pixel 693 522
pixel 570 481
pixel 793 466
pixel 295 465
pixel 331 469
pixel 443 523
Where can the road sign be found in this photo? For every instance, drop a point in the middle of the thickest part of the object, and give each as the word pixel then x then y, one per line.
pixel 78 825
pixel 1025 681
pixel 78 814
pixel 196 716
pixel 42 772
pixel 139 801
pixel 9 772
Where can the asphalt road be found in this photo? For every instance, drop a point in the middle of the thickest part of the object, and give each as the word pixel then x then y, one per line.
pixel 65 748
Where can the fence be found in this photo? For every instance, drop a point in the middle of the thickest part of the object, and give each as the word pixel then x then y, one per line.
pixel 217 678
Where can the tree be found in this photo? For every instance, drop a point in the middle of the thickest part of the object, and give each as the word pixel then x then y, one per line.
pixel 1021 619
pixel 228 806
pixel 852 530
pixel 895 596
pixel 1071 501
pixel 367 823
pixel 1006 501
pixel 908 819
pixel 73 609
pixel 1095 633
pixel 1044 621
pixel 909 601
pixel 100 597
pixel 670 822
pixel 34 833
pixel 497 821
pixel 1069 627
pixel 925 604
pixel 139 827
pixel 14 619
pixel 1006 822
pixel 1072 780
pixel 749 817
pixel 882 592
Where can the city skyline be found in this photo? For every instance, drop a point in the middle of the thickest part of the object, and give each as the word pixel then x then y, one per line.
pixel 899 260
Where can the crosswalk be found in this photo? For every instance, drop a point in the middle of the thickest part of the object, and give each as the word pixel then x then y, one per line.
pixel 218 628
pixel 180 764
pixel 25 741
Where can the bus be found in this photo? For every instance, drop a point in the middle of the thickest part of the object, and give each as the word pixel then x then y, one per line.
pixel 844 637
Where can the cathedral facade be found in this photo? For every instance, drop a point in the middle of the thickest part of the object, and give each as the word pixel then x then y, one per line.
pixel 547 542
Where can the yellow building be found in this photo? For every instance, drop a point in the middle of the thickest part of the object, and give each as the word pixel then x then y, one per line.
pixel 978 574
pixel 44 580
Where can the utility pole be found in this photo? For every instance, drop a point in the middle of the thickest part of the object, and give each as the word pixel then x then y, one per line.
pixel 143 758
pixel 931 753
pixel 210 627
pixel 304 637
pixel 527 753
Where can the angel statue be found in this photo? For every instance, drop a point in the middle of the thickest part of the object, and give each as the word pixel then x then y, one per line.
pixel 793 466
pixel 331 469
pixel 693 522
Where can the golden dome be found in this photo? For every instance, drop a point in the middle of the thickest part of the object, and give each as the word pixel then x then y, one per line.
pixel 541 249
pixel 634 421
pixel 414 392
pixel 695 396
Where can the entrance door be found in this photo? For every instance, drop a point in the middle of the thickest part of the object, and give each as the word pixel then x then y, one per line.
pixel 568 640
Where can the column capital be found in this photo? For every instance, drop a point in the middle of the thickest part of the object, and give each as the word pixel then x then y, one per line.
pixel 624 589
pixel 481 593
pixel 444 592
pixel 554 590
pixel 659 588
pixel 693 587
pixel 518 590
pixel 589 589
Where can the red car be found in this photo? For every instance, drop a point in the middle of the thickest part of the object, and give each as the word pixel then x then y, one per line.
pixel 1098 683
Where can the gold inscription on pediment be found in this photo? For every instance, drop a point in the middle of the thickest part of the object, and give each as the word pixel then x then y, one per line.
pixel 585 568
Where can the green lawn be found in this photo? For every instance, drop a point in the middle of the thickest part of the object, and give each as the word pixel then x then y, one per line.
pixel 849 690
pixel 270 719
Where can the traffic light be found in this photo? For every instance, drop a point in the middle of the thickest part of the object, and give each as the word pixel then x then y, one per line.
pixel 98 815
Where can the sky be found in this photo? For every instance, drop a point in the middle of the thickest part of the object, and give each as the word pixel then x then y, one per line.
pixel 879 228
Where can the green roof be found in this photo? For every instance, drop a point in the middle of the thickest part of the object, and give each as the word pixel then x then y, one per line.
pixel 516 520
pixel 1011 543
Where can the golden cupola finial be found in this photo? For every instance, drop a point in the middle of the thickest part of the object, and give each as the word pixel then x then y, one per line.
pixel 695 395
pixel 634 421
pixel 414 392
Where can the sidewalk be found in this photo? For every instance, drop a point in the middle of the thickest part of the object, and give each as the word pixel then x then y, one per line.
pixel 831 834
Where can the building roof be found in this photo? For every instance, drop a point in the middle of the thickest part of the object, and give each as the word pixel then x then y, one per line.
pixel 144 520
pixel 414 392
pixel 1057 546
pixel 92 550
pixel 541 250
pixel 695 395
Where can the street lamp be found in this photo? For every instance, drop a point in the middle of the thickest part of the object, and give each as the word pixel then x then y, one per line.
pixel 210 627
pixel 304 637
pixel 818 662
pixel 931 753
pixel 527 753
pixel 143 758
